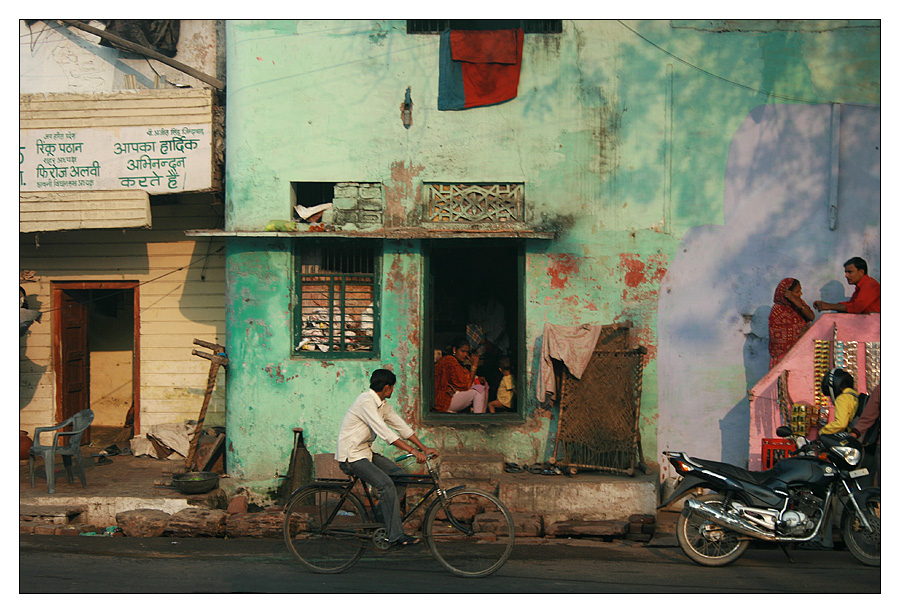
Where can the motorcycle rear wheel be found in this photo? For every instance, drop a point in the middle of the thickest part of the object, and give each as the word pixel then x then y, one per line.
pixel 865 545
pixel 707 543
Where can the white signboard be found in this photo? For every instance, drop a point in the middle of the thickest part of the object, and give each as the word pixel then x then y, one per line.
pixel 157 160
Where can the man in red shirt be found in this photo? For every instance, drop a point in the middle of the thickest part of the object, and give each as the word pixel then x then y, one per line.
pixel 866 297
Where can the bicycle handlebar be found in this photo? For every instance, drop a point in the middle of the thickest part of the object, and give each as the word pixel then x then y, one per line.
pixel 406 456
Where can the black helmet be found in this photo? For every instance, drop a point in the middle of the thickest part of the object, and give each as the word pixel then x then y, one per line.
pixel 834 382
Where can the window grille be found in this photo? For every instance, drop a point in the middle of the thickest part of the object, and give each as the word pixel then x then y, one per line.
pixel 529 26
pixel 475 203
pixel 336 308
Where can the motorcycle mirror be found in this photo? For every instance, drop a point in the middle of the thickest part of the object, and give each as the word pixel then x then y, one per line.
pixel 784 431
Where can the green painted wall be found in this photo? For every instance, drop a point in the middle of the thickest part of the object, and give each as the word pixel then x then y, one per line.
pixel 620 132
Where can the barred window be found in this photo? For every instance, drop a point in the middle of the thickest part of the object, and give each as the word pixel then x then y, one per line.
pixel 336 306
pixel 529 26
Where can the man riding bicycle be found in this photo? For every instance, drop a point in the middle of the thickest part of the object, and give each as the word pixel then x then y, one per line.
pixel 370 416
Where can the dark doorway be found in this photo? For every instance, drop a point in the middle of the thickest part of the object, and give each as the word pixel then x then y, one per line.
pixel 96 352
pixel 477 282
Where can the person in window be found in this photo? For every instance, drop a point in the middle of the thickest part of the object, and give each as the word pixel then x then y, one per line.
pixel 506 390
pixel 866 297
pixel 456 387
pixel 788 319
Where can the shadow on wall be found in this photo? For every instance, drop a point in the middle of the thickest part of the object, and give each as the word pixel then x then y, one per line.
pixel 834 291
pixel 532 405
pixel 735 426
pixel 29 370
pixel 713 332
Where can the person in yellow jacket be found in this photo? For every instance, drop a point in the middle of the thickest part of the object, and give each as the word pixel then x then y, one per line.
pixel 837 384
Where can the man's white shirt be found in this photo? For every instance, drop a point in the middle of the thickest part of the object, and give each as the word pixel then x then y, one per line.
pixel 367 418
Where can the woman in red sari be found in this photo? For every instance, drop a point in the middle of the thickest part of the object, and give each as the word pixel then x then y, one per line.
pixel 456 387
pixel 788 320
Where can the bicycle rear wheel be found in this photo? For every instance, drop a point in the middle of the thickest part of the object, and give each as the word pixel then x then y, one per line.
pixel 485 541
pixel 325 534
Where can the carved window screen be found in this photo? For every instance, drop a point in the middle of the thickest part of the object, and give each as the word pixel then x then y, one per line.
pixel 454 203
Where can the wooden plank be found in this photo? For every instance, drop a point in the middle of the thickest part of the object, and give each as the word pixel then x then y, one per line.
pixel 173 380
pixel 127 101
pixel 91 195
pixel 199 114
pixel 209 458
pixel 50 211
pixel 176 96
pixel 103 122
pixel 175 339
pixel 188 249
pixel 172 366
pixel 182 400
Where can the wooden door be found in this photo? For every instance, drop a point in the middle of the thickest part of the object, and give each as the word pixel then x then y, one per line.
pixel 73 365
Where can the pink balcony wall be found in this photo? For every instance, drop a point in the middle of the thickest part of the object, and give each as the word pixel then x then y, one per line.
pixel 765 416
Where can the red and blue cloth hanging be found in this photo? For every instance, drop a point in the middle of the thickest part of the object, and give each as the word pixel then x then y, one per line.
pixel 478 67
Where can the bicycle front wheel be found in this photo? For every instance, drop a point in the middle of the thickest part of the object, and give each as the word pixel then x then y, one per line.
pixel 481 539
pixel 324 533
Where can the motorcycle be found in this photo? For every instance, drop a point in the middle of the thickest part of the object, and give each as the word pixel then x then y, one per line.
pixel 788 504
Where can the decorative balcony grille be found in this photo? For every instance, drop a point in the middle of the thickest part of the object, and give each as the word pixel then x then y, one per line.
pixel 468 203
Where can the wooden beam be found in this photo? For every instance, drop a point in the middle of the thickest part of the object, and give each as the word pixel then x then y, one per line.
pixel 136 48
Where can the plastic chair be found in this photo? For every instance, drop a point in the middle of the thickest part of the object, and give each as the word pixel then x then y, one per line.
pixel 79 422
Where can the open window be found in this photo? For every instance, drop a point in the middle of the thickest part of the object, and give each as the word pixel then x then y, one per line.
pixel 474 289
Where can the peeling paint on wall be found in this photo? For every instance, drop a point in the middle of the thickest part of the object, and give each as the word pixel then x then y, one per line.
pixel 561 267
pixel 401 193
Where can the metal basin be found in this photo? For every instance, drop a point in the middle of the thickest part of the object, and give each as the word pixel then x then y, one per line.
pixel 195 482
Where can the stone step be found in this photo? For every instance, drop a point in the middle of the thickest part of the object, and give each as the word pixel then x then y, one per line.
pixel 50 514
pixel 475 465
pixel 590 497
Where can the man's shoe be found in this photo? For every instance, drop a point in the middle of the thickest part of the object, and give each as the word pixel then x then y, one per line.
pixel 406 541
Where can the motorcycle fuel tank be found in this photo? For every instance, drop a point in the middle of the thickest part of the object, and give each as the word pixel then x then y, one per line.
pixel 803 470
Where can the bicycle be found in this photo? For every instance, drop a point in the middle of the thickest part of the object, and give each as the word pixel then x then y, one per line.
pixel 328 528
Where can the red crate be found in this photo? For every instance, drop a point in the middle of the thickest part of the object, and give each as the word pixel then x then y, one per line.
pixel 775 449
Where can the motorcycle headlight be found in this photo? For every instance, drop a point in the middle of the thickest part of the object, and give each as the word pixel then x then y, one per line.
pixel 850 455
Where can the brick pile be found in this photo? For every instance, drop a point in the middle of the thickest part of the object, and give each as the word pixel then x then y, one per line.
pixel 237 521
pixel 233 522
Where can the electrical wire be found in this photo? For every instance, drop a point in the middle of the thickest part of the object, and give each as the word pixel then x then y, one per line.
pixel 735 83
pixel 142 283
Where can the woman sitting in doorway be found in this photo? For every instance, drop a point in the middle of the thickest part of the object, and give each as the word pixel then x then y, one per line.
pixel 456 388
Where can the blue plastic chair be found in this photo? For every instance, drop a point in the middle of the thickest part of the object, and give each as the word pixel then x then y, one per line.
pixel 79 422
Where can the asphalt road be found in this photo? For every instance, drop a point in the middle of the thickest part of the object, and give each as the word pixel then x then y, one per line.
pixel 105 565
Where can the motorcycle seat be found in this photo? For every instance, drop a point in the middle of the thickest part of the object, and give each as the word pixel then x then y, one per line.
pixel 741 474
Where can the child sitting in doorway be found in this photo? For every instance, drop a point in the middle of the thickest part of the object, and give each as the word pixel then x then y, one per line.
pixel 506 389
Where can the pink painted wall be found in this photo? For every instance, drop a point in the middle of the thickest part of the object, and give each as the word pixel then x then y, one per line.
pixel 799 362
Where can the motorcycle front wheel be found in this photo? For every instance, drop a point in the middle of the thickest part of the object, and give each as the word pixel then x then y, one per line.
pixel 864 544
pixel 707 543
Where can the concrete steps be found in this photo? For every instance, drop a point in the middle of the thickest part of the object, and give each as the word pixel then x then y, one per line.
pixel 587 496
pixel 54 519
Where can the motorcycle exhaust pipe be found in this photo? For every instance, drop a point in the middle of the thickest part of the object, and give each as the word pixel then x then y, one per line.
pixel 732 523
